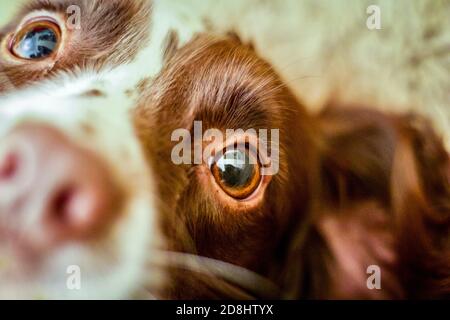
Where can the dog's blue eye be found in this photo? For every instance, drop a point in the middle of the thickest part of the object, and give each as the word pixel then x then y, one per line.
pixel 37 40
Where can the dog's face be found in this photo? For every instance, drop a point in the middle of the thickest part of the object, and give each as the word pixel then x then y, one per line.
pixel 237 216
pixel 90 179
pixel 76 105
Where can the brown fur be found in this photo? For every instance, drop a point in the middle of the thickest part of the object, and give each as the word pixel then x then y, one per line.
pixel 356 187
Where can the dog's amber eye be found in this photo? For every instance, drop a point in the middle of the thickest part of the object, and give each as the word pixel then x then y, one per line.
pixel 36 40
pixel 237 172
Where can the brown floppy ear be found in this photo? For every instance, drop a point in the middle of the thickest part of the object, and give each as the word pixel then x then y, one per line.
pixel 420 189
pixel 171 45
pixel 382 202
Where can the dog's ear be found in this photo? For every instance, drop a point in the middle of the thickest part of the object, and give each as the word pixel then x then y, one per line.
pixel 234 36
pixel 382 206
pixel 171 45
pixel 420 203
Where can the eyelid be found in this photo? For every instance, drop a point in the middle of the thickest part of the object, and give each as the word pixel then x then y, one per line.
pixel 37 19
pixel 245 147
pixel 250 142
pixel 37 15
pixel 258 150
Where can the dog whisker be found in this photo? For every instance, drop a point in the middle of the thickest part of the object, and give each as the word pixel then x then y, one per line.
pixel 218 274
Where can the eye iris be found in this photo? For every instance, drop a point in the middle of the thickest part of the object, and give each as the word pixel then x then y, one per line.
pixel 36 42
pixel 236 174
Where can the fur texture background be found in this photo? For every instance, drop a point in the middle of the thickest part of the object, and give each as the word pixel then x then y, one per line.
pixel 326 53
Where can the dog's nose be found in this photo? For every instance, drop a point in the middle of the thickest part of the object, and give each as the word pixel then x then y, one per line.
pixel 51 190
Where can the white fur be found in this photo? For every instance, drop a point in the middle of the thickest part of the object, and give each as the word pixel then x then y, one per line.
pixel 114 266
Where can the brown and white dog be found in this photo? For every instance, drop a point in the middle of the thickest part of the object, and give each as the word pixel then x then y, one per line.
pixel 88 183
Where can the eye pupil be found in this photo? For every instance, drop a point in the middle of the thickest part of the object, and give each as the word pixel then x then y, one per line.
pixel 236 174
pixel 235 168
pixel 36 42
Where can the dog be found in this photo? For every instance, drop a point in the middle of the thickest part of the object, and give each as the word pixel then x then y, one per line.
pixel 94 205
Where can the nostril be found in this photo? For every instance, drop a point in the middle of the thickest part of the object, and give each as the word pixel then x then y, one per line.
pixel 9 166
pixel 73 208
pixel 61 205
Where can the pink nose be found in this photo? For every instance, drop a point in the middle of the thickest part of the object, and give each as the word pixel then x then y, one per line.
pixel 51 190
